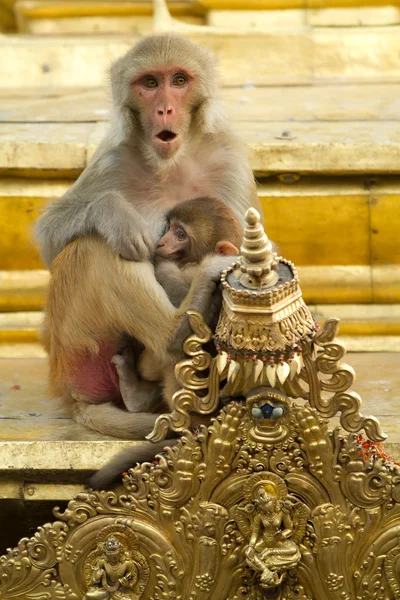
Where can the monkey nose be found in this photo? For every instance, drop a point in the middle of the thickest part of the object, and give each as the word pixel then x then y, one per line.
pixel 163 112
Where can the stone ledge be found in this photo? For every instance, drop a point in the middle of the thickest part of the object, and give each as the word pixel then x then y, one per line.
pixel 275 148
pixel 297 56
pixel 39 442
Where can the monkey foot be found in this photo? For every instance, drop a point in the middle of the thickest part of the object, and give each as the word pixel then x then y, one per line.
pixel 138 395
pixel 125 369
pixel 124 362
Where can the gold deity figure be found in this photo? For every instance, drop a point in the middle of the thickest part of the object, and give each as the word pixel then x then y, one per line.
pixel 270 550
pixel 272 523
pixel 115 574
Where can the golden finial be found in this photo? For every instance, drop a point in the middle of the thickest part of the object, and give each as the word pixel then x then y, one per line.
pixel 258 259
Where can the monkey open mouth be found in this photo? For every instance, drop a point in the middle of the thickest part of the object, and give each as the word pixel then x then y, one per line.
pixel 166 136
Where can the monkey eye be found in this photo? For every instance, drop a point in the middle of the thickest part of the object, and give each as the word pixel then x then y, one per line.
pixel 179 80
pixel 150 82
pixel 180 234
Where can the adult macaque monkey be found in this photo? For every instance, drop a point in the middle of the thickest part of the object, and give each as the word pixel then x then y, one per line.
pixel 168 141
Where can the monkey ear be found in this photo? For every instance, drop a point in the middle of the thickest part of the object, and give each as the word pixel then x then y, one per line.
pixel 226 248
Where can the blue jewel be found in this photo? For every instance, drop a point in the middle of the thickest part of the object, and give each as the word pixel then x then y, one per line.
pixel 267 410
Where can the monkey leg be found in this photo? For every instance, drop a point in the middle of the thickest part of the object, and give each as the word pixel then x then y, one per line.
pixel 148 366
pixel 138 395
pixel 170 384
pixel 108 419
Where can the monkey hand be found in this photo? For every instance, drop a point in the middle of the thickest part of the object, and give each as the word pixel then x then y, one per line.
pixel 130 237
pixel 213 266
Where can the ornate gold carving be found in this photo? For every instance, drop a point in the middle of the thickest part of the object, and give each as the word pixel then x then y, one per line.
pixel 267 329
pixel 266 502
pixel 265 338
pixel 193 511
pixel 330 396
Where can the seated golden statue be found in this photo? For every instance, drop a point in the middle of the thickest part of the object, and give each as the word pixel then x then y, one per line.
pixel 270 550
pixel 113 573
pixel 272 523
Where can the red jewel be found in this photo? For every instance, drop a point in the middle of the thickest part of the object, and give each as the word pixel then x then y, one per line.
pixel 254 357
pixel 218 348
pixel 271 361
pixel 246 357
pixel 292 356
pixel 229 358
pixel 264 359
pixel 299 349
pixel 281 358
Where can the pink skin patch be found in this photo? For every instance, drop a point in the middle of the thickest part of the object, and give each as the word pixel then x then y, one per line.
pixel 97 379
pixel 164 103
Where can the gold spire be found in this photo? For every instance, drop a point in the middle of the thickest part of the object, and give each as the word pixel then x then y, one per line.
pixel 258 259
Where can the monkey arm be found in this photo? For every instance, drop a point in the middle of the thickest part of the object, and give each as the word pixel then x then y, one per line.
pixel 96 204
pixel 201 297
pixel 63 221
pixel 175 281
pixel 110 215
pixel 121 225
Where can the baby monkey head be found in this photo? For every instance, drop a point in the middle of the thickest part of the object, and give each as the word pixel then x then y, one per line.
pixel 199 227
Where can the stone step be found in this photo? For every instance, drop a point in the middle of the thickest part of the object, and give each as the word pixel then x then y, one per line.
pixel 261 20
pixel 372 320
pixel 334 129
pixel 26 290
pixel 276 147
pixel 41 445
pixel 55 17
pixel 336 102
pixel 259 5
pixel 44 17
pixel 305 218
pixel 298 56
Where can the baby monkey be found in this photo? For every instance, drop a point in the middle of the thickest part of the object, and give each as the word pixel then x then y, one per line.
pixel 198 233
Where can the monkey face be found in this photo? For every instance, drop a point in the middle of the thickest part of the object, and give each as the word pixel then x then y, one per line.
pixel 174 244
pixel 164 99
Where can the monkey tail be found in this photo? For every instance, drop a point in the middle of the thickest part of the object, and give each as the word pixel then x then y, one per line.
pixel 126 459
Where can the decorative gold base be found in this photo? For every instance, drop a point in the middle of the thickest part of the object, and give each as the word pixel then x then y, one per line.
pixel 184 524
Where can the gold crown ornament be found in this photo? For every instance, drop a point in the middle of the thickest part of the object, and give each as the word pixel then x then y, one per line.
pixel 264 320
